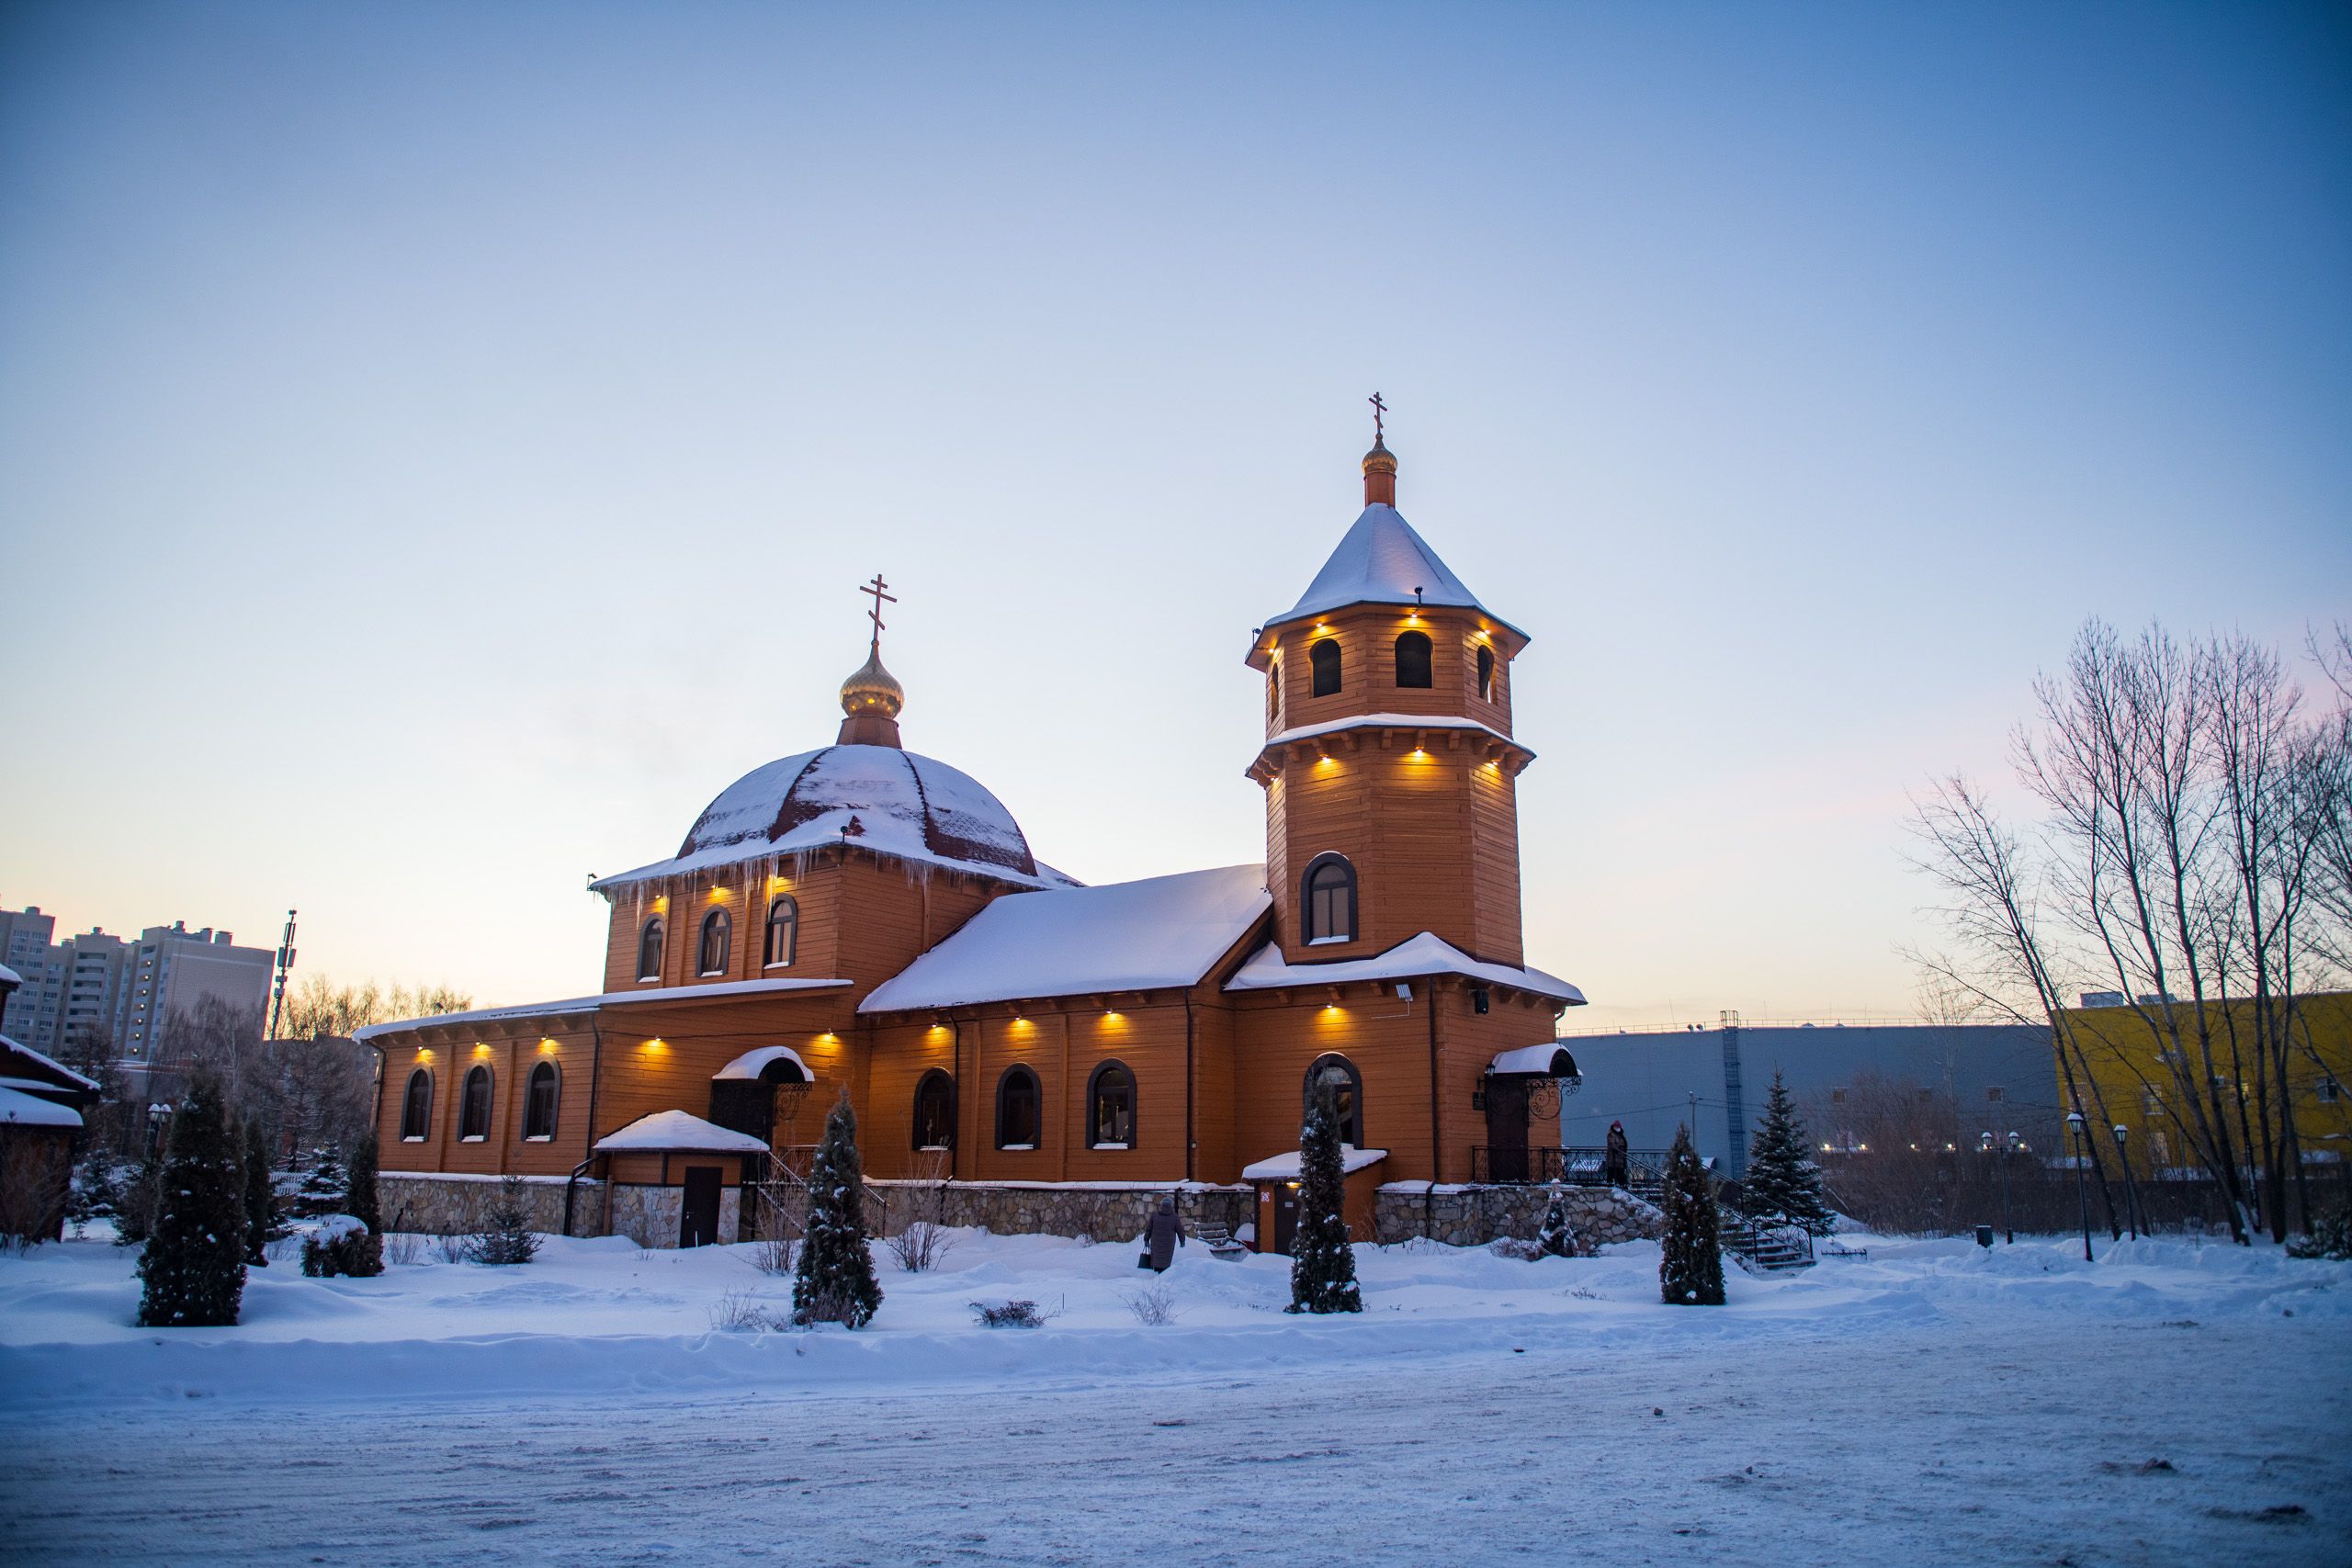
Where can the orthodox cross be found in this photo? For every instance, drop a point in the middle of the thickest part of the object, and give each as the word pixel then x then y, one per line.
pixel 874 590
pixel 1378 408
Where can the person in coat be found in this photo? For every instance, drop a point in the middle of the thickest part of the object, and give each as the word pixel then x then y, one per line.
pixel 1613 1164
pixel 1162 1236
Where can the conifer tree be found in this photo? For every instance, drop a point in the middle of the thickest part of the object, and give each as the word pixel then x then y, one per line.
pixel 507 1238
pixel 194 1267
pixel 1559 1238
pixel 834 1279
pixel 1690 1271
pixel 1784 1184
pixel 134 1208
pixel 323 1187
pixel 1322 1264
pixel 361 1200
pixel 261 1198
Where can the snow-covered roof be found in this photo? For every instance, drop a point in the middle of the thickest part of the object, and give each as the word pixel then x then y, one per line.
pixel 878 798
pixel 1386 721
pixel 1126 936
pixel 591 1004
pixel 31 1110
pixel 1426 953
pixel 1380 560
pixel 676 1129
pixel 9 976
pixel 51 1063
pixel 1551 1060
pixel 752 1064
pixel 1285 1167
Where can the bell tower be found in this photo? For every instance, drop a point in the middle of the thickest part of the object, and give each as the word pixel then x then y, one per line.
pixel 1389 765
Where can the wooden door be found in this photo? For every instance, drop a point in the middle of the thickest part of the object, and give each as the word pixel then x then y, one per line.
pixel 1505 1129
pixel 1285 1196
pixel 698 1216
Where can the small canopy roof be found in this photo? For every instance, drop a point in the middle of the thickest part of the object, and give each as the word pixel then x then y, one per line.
pixel 1549 1060
pixel 31 1110
pixel 752 1064
pixel 1285 1167
pixel 674 1130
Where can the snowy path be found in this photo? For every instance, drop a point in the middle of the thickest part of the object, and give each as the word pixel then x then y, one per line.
pixel 1980 1437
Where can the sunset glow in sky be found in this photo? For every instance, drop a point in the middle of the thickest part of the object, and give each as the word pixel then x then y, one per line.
pixel 439 446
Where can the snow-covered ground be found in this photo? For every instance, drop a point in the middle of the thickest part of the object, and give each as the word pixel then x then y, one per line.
pixel 1931 1403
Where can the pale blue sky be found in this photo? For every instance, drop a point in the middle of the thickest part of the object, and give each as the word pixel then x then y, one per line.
pixel 438 444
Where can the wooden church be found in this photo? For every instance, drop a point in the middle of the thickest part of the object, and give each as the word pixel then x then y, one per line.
pixel 861 917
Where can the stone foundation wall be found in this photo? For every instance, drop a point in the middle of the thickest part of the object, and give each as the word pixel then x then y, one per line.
pixel 1100 1215
pixel 651 1216
pixel 459 1205
pixel 1473 1216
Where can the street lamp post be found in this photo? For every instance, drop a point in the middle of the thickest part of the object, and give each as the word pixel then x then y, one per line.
pixel 2131 1185
pixel 2081 1129
pixel 2009 1234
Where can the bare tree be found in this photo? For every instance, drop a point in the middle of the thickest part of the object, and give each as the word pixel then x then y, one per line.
pixel 2193 856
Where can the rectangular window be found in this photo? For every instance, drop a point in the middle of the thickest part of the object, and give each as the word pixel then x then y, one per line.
pixel 2330 1091
pixel 1993 1093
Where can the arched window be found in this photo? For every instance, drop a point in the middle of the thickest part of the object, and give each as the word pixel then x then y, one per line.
pixel 1016 1108
pixel 1413 659
pixel 416 1107
pixel 1325 657
pixel 1328 894
pixel 538 1101
pixel 1111 1107
pixel 936 1111
pixel 1346 1095
pixel 784 931
pixel 1274 690
pixel 710 953
pixel 1487 674
pixel 648 950
pixel 474 1106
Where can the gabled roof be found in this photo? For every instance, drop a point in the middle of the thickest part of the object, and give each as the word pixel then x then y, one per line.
pixel 1126 936
pixel 31 1110
pixel 1426 953
pixel 598 1003
pixel 676 1129
pixel 1381 562
pixel 45 1064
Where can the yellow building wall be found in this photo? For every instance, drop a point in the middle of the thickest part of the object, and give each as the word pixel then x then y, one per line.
pixel 2134 1089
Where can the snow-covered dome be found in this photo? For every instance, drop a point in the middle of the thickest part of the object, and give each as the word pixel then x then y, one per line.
pixel 879 797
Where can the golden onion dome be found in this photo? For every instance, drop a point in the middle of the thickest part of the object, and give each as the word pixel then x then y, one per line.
pixel 873 690
pixel 1380 460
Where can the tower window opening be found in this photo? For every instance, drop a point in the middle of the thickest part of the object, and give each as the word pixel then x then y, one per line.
pixel 416 1107
pixel 648 950
pixel 1325 657
pixel 1413 659
pixel 1485 674
pixel 474 1106
pixel 935 1111
pixel 784 931
pixel 1016 1108
pixel 1346 1095
pixel 1111 1108
pixel 538 1102
pixel 711 953
pixel 1274 690
pixel 1328 893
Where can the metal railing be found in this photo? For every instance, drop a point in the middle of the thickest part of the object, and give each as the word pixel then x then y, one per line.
pixel 1644 1169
